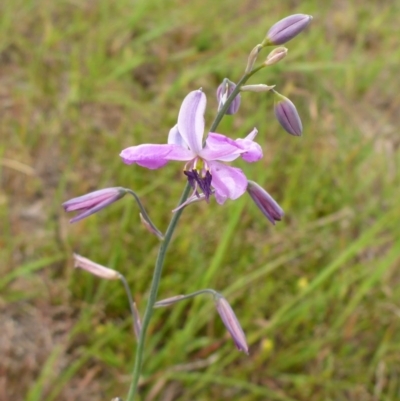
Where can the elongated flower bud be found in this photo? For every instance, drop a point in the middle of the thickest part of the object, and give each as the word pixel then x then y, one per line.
pixel 286 29
pixel 95 269
pixel 264 201
pixel 231 323
pixel 257 88
pixel 276 55
pixel 252 58
pixel 223 92
pixel 93 202
pixel 287 115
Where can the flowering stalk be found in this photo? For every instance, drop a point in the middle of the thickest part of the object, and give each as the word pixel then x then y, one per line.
pixel 207 174
pixel 164 246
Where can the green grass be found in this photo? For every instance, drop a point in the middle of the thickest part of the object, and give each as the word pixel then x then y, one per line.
pixel 317 295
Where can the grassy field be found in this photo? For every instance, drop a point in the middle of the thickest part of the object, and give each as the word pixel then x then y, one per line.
pixel 318 295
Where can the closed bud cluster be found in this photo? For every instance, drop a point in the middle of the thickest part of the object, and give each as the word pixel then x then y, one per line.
pixel 286 29
pixel 287 115
pixel 223 92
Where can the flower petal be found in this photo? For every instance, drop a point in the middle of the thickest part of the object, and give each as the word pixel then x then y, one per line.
pixel 175 137
pixel 191 120
pixel 220 147
pixel 228 182
pixel 252 151
pixel 154 156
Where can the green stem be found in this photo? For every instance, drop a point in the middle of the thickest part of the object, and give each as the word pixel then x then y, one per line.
pixel 163 249
pixel 178 298
pixel 153 295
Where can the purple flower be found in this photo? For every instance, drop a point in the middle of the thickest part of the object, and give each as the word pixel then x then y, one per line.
pixel 264 201
pixel 287 115
pixel 93 202
pixel 231 323
pixel 286 29
pixel 223 92
pixel 203 167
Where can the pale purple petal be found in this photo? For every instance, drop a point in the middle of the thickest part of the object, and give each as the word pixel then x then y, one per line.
pixel 252 134
pixel 228 182
pixel 220 147
pixel 154 156
pixel 252 151
pixel 191 120
pixel 175 138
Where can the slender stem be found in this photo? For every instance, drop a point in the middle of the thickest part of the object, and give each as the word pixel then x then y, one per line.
pixel 178 298
pixel 135 317
pixel 153 295
pixel 163 249
pixel 145 216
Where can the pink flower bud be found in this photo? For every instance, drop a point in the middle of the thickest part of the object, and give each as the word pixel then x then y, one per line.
pixel 276 55
pixel 93 202
pixel 286 29
pixel 231 323
pixel 264 201
pixel 223 92
pixel 287 115
pixel 96 269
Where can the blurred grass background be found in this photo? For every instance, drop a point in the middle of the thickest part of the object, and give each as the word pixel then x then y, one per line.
pixel 318 295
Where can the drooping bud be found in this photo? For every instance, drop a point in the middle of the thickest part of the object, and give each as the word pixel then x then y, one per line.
pixel 93 202
pixel 264 201
pixel 276 55
pixel 223 92
pixel 231 323
pixel 286 29
pixel 95 269
pixel 287 115
pixel 257 88
pixel 252 58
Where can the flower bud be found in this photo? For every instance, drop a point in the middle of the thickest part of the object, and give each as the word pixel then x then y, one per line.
pixel 231 323
pixel 223 92
pixel 252 58
pixel 257 88
pixel 264 201
pixel 286 29
pixel 276 55
pixel 96 269
pixel 93 202
pixel 287 115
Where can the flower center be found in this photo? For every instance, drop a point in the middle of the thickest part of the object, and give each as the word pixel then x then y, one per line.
pixel 199 176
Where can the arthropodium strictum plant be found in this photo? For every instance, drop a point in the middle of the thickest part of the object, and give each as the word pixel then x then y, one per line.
pixel 205 154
